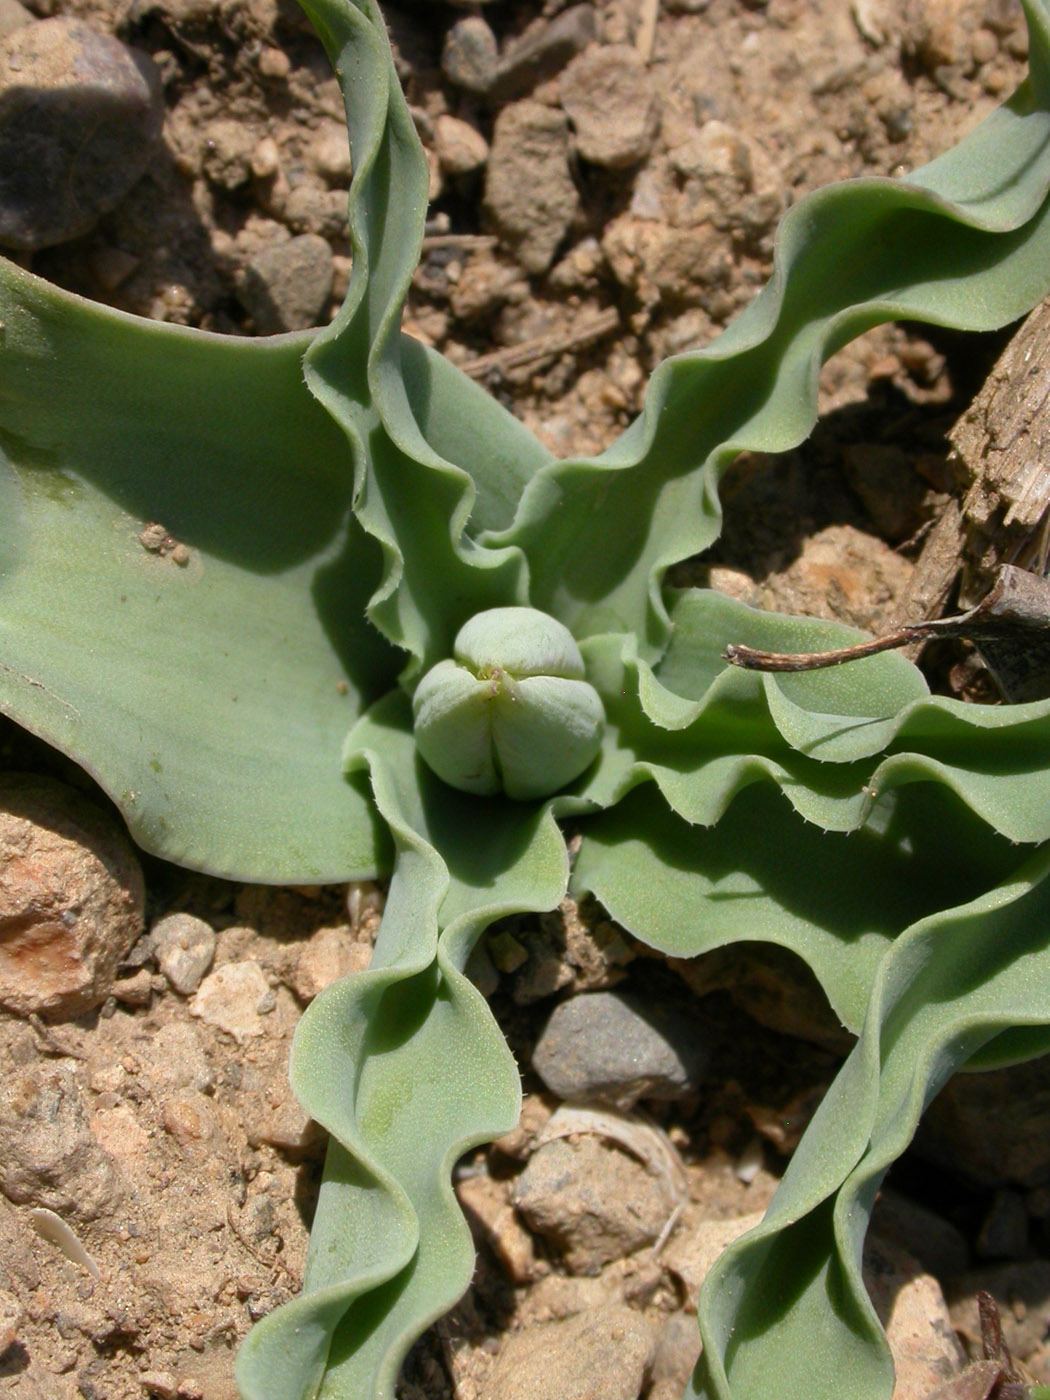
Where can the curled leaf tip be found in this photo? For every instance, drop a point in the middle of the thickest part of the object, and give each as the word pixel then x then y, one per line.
pixel 511 711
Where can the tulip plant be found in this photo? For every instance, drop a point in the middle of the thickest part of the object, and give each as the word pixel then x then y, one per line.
pixel 399 638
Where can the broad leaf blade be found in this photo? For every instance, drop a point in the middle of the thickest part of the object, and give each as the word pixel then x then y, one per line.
pixel 210 700
pixel 765 875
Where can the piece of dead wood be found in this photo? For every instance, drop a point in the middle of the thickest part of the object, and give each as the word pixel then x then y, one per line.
pixel 1010 627
pixel 645 36
pixel 543 347
pixel 989 550
pixel 1001 457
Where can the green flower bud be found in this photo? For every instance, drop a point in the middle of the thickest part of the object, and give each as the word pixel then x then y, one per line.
pixel 512 712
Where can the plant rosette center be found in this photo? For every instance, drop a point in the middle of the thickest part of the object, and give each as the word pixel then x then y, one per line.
pixel 511 711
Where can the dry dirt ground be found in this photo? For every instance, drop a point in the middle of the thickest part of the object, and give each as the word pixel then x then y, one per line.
pixel 606 179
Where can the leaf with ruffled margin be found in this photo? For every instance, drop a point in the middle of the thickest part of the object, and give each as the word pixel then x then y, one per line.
pixel 426 511
pixel 407 1069
pixel 963 242
pixel 784 1311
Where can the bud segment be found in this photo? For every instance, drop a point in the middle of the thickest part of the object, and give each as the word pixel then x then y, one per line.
pixel 512 712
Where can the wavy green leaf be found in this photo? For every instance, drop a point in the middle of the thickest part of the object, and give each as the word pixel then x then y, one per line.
pixel 406 1068
pixel 416 503
pixel 764 875
pixel 784 1311
pixel 963 242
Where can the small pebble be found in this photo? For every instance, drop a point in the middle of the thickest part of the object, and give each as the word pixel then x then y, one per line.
pixel 331 953
pixel 266 159
pixel 274 63
pixel 543 51
pixel 612 103
pixel 185 948
pixel 329 154
pixel 11 1316
pixel 49 1156
pixel 529 191
pixel 676 1354
pixel 592 1201
pixel 159 1385
pixel 234 999
pixel 226 153
pixel 470 55
pixel 601 1351
pixel 80 115
pixel 460 148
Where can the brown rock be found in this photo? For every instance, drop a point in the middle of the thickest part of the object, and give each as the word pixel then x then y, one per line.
pixel 612 103
pixel 592 1201
pixel 71 899
pixel 329 954
pixel 234 998
pixel 841 573
pixel 460 147
pixel 681 266
pixel 601 1354
pixel 470 55
pixel 529 191
pixel 697 1243
pixel 677 1352
pixel 543 50
pixel 486 1204
pixel 912 1309
pixel 184 947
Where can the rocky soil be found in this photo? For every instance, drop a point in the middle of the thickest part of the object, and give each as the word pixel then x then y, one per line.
pixel 606 178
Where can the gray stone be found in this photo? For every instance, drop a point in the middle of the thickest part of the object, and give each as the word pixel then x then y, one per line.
pixel 612 103
pixel 618 1048
pixel 286 287
pixel 184 947
pixel 592 1201
pixel 601 1354
pixel 529 191
pixel 470 55
pixel 80 114
pixel 543 51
